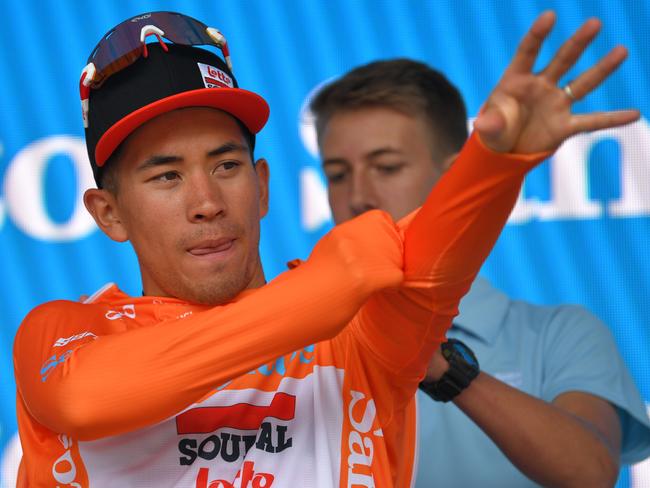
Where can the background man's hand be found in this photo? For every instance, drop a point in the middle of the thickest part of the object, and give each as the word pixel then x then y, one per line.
pixel 438 366
pixel 527 112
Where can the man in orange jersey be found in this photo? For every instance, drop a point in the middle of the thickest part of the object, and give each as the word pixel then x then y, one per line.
pixel 213 378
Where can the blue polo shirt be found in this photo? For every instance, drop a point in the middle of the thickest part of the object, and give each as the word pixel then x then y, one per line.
pixel 543 351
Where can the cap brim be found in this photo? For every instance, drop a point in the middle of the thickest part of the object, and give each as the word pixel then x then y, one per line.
pixel 251 109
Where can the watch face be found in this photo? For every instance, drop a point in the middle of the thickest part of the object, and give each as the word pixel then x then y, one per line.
pixel 464 352
pixel 467 355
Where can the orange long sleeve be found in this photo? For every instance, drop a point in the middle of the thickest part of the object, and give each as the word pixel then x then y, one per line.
pixel 445 243
pixel 142 368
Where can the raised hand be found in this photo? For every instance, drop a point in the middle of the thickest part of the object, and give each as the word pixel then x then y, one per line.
pixel 527 112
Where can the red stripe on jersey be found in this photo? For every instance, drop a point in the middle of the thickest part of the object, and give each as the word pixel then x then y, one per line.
pixel 241 416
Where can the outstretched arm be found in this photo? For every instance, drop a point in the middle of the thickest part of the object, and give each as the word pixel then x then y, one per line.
pixel 527 113
pixel 526 117
pixel 575 440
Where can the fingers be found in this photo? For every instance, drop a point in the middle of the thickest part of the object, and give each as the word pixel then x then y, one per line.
pixel 602 120
pixel 529 46
pixel 595 75
pixel 571 50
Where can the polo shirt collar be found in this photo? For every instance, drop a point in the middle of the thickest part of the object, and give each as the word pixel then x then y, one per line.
pixel 482 311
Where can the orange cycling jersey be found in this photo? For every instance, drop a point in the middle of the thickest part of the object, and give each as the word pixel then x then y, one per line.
pixel 299 383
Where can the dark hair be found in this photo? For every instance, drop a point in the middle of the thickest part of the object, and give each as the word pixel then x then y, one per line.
pixel 404 85
pixel 108 173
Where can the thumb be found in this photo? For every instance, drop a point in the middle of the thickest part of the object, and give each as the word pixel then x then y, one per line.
pixel 490 125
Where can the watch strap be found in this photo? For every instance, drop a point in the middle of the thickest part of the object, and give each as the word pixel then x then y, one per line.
pixel 458 377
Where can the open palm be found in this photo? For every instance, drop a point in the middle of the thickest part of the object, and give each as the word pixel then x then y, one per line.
pixel 527 112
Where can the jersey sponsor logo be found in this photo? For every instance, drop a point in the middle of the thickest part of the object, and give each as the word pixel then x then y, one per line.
pixel 241 417
pixel 247 476
pixel 64 341
pixel 214 77
pixel 127 311
pixel 52 362
pixel 361 415
pixel 304 356
pixel 64 469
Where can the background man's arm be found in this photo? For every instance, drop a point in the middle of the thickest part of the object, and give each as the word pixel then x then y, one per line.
pixel 585 416
pixel 574 441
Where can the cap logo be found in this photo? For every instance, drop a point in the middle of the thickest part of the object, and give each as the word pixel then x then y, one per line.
pixel 214 77
pixel 141 17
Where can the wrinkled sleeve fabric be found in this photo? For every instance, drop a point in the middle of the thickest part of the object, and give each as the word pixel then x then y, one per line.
pixel 580 354
pixel 110 383
pixel 445 244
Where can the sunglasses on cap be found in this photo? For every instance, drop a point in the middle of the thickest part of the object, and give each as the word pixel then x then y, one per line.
pixel 126 43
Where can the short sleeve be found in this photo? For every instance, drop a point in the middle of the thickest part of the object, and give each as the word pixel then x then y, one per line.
pixel 581 355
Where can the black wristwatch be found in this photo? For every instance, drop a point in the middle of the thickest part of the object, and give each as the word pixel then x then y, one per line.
pixel 463 368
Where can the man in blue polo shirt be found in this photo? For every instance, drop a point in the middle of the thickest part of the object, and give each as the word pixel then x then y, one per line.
pixel 552 401
pixel 546 352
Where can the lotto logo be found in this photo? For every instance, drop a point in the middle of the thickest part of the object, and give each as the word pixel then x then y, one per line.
pixel 249 478
pixel 214 77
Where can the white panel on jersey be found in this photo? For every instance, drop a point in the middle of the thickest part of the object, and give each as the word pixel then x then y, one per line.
pixel 303 449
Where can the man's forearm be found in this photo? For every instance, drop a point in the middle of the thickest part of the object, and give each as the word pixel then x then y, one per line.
pixel 448 239
pixel 547 443
pixel 445 244
pixel 122 382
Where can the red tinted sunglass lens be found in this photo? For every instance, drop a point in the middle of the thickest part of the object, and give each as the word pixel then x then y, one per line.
pixel 119 48
pixel 116 66
pixel 181 29
pixel 122 46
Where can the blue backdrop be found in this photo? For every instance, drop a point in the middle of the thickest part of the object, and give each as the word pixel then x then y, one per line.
pixel 580 232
